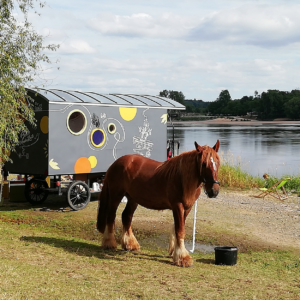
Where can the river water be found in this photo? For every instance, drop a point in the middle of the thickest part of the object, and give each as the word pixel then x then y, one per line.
pixel 272 149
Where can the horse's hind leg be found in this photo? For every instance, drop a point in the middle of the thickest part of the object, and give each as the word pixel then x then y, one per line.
pixel 172 240
pixel 181 256
pixel 108 239
pixel 129 241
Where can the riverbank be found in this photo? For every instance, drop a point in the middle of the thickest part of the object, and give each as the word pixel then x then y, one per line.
pixel 236 121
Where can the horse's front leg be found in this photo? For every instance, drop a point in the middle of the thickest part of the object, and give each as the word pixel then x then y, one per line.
pixel 129 241
pixel 181 256
pixel 172 234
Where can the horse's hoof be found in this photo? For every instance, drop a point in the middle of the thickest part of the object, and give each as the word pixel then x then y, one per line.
pixel 135 246
pixel 129 242
pixel 184 262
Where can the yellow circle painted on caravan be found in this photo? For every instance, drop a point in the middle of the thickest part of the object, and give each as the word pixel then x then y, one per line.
pixel 44 124
pixel 128 113
pixel 93 161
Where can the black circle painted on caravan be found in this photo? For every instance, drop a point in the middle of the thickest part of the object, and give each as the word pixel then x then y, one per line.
pixel 111 128
pixel 76 122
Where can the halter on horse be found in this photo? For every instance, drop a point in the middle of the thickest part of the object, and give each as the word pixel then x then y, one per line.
pixel 174 184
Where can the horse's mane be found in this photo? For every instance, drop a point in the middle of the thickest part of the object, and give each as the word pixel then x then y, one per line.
pixel 187 166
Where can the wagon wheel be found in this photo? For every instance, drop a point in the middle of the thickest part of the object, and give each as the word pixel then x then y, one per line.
pixel 36 191
pixel 78 195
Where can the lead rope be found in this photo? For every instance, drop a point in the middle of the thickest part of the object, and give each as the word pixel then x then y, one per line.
pixel 194 226
pixel 195 216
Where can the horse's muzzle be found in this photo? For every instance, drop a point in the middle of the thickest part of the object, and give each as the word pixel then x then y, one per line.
pixel 214 190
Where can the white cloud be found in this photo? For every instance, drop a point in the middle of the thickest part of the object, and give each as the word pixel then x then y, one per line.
pixel 142 24
pixel 76 47
pixel 260 25
pixel 197 47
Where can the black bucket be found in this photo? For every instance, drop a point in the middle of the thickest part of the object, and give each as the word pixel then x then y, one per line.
pixel 226 256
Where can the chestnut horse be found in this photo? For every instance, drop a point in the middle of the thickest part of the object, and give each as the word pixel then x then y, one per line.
pixel 174 184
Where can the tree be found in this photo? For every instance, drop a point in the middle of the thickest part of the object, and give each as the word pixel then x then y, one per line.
pixel 292 108
pixel 218 106
pixel 21 55
pixel 177 96
pixel 189 108
pixel 224 98
pixel 256 95
pixel 271 104
pixel 164 93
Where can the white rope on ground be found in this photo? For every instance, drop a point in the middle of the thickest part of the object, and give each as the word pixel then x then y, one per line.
pixel 194 226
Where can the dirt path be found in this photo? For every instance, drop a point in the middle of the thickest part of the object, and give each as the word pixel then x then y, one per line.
pixel 233 218
pixel 262 222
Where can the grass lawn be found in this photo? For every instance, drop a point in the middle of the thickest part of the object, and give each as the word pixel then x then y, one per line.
pixel 56 255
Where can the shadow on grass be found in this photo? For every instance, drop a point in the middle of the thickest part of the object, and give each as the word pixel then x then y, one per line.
pixel 90 250
pixel 207 261
pixel 54 204
pixel 155 257
pixel 27 206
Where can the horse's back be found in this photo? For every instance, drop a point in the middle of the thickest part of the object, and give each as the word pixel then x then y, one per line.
pixel 129 167
pixel 133 161
pixel 137 177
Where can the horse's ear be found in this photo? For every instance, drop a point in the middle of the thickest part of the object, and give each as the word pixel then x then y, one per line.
pixel 198 148
pixel 216 146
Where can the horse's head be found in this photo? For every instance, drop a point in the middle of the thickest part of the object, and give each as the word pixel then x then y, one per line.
pixel 209 165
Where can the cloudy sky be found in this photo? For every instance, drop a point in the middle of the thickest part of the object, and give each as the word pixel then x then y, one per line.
pixel 199 47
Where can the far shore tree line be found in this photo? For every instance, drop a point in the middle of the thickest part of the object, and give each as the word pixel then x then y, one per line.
pixel 268 105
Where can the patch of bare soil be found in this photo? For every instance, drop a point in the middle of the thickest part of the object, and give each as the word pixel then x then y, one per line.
pixel 255 222
pixel 232 219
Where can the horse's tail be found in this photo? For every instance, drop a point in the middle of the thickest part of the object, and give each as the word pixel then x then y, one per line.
pixel 103 208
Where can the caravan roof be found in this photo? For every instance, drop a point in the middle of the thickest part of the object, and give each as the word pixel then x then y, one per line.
pixel 58 96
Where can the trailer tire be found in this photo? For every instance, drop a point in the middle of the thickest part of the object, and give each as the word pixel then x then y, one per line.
pixel 78 195
pixel 36 191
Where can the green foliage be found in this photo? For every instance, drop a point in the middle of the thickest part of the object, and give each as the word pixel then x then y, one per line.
pixel 231 174
pixel 220 106
pixel 291 185
pixel 272 104
pixel 292 108
pixel 175 95
pixel 196 106
pixel 268 106
pixel 21 55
